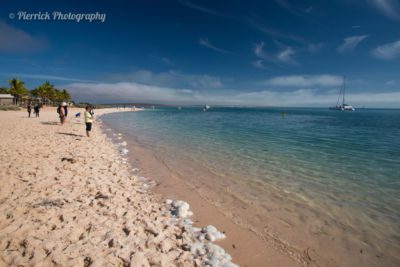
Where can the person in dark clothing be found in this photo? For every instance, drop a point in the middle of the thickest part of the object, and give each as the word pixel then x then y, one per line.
pixel 29 109
pixel 36 108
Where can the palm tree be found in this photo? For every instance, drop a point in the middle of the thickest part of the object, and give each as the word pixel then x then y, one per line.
pixel 39 92
pixel 57 96
pixel 65 95
pixel 48 89
pixel 17 89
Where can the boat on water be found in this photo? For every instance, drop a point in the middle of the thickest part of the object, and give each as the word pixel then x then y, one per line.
pixel 342 106
pixel 206 107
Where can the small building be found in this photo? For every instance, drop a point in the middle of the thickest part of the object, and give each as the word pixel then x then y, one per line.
pixel 7 99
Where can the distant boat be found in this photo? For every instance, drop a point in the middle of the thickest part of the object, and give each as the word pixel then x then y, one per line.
pixel 206 107
pixel 342 106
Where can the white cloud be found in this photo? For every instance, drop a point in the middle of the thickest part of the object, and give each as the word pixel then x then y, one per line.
pixel 171 79
pixel 259 52
pixel 389 8
pixel 283 56
pixel 350 43
pixel 305 80
pixel 206 43
pixel 16 40
pixel 134 92
pixel 387 51
pixel 286 56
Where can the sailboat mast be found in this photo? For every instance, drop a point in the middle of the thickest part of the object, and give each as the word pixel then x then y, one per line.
pixel 344 89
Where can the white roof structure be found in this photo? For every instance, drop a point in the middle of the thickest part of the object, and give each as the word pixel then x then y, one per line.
pixel 6 96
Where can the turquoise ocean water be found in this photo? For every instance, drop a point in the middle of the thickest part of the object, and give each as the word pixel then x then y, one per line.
pixel 340 166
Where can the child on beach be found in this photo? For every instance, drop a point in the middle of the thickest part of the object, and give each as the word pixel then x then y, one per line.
pixel 88 115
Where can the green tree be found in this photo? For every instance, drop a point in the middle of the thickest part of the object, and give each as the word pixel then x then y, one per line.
pixel 17 89
pixel 4 90
pixel 48 92
pixel 65 95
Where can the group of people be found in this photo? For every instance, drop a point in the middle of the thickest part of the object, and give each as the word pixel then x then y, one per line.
pixel 36 110
pixel 62 111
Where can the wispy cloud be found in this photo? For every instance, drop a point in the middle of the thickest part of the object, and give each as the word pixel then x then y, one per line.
pixel 259 64
pixel 291 8
pixel 389 8
pixel 391 82
pixel 325 80
pixel 315 47
pixel 167 61
pixel 350 43
pixel 16 40
pixel 46 77
pixel 387 51
pixel 170 79
pixel 276 33
pixel 200 8
pixel 134 92
pixel 206 43
pixel 285 55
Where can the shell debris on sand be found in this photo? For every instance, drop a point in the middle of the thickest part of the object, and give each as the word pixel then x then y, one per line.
pixel 123 151
pixel 201 246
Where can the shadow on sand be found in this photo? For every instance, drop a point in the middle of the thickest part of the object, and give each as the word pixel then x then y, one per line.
pixel 71 134
pixel 49 123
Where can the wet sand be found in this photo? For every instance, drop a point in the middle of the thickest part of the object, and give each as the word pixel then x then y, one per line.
pixel 276 233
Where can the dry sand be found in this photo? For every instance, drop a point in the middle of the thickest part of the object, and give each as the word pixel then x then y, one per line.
pixel 69 200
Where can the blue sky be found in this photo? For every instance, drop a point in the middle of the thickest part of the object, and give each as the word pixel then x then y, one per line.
pixel 277 52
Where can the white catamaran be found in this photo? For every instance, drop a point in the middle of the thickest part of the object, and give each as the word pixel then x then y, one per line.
pixel 343 106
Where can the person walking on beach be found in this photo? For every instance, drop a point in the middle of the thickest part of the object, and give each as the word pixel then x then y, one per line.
pixel 88 115
pixel 65 109
pixel 29 109
pixel 61 113
pixel 36 109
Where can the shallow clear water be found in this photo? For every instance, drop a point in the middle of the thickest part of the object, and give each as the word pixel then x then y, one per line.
pixel 344 164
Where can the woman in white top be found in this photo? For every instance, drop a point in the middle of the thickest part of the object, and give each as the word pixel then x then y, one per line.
pixel 88 120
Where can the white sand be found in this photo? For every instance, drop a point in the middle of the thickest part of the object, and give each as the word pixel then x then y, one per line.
pixel 69 200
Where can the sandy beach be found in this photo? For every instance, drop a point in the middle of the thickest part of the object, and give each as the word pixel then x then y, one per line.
pixel 69 200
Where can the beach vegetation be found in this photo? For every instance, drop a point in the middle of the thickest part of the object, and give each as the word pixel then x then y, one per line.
pixel 45 93
pixel 8 107
pixel 18 90
pixel 4 90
